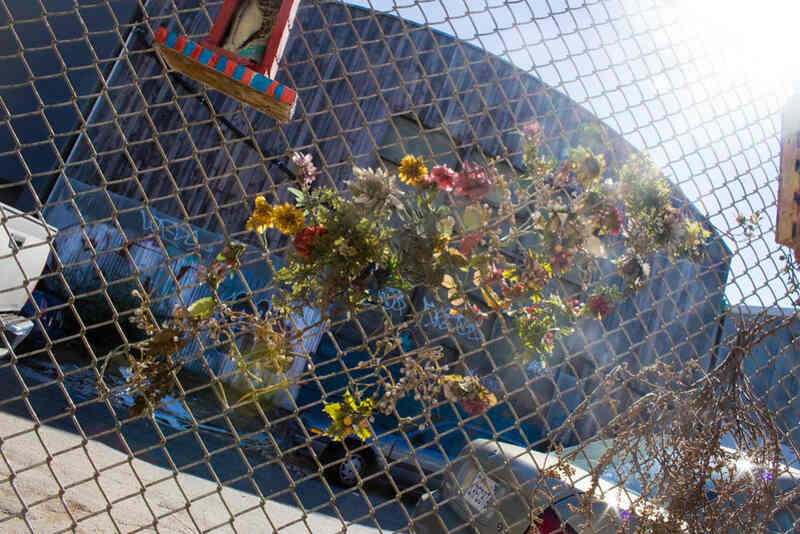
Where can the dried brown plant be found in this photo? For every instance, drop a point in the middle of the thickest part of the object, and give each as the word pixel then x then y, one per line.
pixel 668 446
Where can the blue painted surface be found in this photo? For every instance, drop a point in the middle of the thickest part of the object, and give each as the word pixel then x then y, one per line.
pixel 171 38
pixel 205 56
pixel 188 48
pixel 260 82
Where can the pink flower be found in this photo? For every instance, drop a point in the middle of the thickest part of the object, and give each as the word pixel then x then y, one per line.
pixel 443 176
pixel 304 167
pixel 532 132
pixel 473 182
pixel 469 242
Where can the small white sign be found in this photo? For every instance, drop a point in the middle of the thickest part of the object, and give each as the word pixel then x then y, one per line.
pixel 480 492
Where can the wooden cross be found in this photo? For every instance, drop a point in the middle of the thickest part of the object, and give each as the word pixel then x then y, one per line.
pixel 241 78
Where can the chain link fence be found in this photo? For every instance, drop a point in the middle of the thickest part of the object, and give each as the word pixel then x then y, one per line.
pixel 120 175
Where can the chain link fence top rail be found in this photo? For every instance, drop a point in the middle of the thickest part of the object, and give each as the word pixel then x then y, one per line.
pixel 142 175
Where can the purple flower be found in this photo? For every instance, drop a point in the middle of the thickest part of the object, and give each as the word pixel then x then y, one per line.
pixel 766 476
pixel 625 515
pixel 304 167
pixel 472 182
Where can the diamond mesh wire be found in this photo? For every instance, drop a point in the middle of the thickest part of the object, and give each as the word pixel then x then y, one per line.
pixel 142 175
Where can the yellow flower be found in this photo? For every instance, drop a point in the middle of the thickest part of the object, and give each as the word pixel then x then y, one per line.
pixel 588 166
pixel 349 417
pixel 440 243
pixel 288 219
pixel 696 234
pixel 262 217
pixel 412 170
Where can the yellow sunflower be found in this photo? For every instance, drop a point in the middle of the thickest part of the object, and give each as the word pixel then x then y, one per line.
pixel 412 170
pixel 262 217
pixel 288 219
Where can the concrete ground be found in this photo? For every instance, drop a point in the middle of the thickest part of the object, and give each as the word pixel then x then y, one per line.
pixel 97 489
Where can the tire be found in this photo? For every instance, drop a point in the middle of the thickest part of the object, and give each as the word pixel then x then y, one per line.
pixel 344 470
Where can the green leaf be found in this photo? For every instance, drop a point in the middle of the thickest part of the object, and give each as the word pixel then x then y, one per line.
pixel 299 195
pixel 202 308
pixel 473 218
pixel 445 225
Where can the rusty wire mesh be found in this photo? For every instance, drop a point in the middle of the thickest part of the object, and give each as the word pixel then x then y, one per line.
pixel 143 174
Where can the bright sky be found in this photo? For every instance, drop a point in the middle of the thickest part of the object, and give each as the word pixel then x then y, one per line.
pixel 698 84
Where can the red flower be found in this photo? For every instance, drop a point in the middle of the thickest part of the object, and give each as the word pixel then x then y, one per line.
pixel 443 176
pixel 599 305
pixel 304 240
pixel 612 221
pixel 475 406
pixel 473 182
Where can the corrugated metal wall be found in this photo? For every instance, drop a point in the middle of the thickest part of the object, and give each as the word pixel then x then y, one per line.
pixel 353 71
